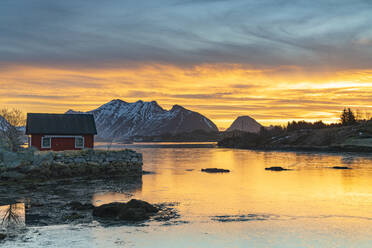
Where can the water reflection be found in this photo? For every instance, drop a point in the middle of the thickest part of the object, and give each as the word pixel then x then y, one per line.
pixel 108 197
pixel 312 188
pixel 115 146
pixel 12 215
pixel 312 205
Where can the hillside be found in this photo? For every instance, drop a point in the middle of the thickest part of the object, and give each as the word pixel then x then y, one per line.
pixel 120 120
pixel 245 124
pixel 357 137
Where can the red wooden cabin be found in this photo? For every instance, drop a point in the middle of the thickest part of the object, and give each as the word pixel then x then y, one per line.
pixel 59 132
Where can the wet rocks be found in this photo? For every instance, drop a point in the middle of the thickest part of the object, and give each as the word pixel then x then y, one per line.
pixel 2 236
pixel 276 168
pixel 72 217
pixel 215 170
pixel 341 168
pixel 75 205
pixel 166 212
pixel 12 176
pixel 11 159
pixel 134 210
pixel 43 159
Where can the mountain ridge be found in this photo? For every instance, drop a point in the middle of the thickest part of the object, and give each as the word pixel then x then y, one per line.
pixel 118 119
pixel 245 123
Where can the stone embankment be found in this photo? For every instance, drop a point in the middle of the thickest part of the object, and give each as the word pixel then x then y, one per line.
pixel 31 164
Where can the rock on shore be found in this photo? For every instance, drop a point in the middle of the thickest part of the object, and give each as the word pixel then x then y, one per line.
pixel 30 164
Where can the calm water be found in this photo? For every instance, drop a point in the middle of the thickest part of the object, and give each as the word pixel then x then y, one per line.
pixel 310 206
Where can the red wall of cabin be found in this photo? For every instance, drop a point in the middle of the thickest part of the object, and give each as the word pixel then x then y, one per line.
pixel 61 144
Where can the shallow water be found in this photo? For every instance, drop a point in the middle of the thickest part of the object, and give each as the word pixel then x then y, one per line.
pixel 309 206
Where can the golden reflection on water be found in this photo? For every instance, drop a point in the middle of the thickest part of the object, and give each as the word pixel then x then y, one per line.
pixel 311 189
pixel 12 215
pixel 108 197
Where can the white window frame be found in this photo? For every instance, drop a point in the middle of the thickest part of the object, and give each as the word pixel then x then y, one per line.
pixel 80 137
pixel 42 142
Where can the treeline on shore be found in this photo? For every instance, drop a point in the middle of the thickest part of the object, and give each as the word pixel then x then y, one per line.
pixel 352 130
pixel 265 136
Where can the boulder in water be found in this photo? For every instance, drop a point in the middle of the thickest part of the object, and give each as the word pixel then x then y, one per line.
pixel 276 168
pixel 341 168
pixel 134 210
pixel 215 170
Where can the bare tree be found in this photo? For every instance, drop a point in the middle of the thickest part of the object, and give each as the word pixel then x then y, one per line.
pixel 11 216
pixel 10 132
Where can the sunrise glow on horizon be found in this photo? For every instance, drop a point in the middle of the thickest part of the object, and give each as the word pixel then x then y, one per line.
pixel 274 62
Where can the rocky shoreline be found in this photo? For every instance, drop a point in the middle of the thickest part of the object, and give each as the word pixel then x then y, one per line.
pixel 352 138
pixel 43 166
pixel 72 202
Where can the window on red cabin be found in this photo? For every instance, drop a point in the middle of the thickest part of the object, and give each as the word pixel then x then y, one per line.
pixel 46 142
pixel 79 142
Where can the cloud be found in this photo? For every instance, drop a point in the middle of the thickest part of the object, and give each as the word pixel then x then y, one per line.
pixel 221 92
pixel 244 86
pixel 202 96
pixel 53 97
pixel 185 33
pixel 272 59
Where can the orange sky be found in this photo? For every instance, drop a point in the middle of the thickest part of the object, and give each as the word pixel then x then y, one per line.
pixel 282 61
pixel 221 92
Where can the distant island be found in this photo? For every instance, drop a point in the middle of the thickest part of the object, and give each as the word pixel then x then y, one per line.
pixel 351 134
pixel 241 125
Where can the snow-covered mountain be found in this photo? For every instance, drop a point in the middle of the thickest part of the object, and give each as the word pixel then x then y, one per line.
pixel 121 120
pixel 246 124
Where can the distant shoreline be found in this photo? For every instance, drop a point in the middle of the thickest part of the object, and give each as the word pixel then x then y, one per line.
pixel 331 149
pixel 156 144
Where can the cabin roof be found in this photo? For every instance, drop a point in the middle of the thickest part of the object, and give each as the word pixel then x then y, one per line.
pixel 72 124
